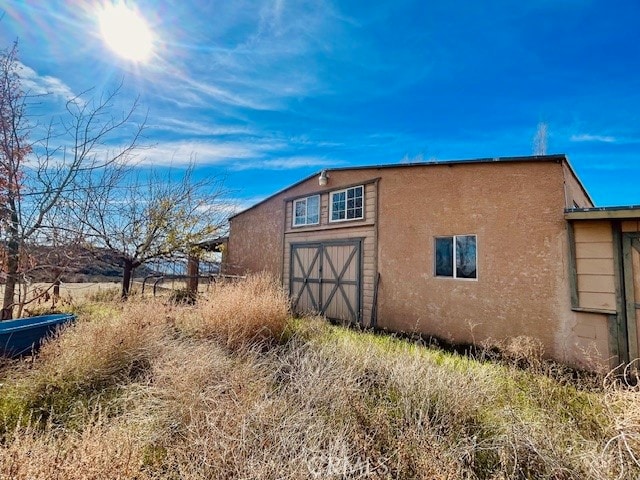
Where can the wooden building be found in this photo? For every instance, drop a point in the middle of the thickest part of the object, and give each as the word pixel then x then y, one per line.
pixel 466 251
pixel 604 261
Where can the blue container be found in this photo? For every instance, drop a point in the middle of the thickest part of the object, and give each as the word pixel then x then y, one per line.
pixel 24 335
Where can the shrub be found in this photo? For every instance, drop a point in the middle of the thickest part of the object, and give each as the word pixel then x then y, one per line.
pixel 241 313
pixel 183 296
pixel 105 294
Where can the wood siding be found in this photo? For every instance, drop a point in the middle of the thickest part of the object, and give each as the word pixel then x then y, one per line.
pixel 635 263
pixel 355 229
pixel 594 266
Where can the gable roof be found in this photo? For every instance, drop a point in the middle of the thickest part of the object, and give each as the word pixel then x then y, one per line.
pixel 556 158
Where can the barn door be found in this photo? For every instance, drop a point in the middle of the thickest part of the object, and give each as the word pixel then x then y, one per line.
pixel 325 278
pixel 631 267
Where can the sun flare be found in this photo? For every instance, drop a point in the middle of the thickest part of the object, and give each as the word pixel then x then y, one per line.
pixel 126 32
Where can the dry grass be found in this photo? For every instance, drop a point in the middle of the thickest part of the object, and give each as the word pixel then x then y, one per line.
pixel 150 391
pixel 237 313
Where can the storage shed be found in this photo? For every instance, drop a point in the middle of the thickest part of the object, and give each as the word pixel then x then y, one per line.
pixel 466 251
pixel 605 276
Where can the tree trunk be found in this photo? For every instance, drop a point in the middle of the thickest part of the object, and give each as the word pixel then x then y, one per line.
pixel 126 278
pixel 129 267
pixel 193 269
pixel 13 257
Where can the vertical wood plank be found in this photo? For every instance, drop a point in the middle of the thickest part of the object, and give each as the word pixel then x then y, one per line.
pixel 573 273
pixel 619 280
pixel 632 335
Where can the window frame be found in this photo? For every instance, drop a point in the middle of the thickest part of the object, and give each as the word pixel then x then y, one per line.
pixel 345 190
pixel 454 257
pixel 306 210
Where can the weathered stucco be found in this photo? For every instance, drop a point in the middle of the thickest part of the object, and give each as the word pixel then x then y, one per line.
pixel 516 211
pixel 515 208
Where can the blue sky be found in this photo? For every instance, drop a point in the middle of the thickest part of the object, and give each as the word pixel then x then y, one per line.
pixel 265 93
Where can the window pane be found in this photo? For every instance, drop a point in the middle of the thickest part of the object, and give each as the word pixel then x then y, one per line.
pixel 338 206
pixel 313 209
pixel 444 257
pixel 313 203
pixel 300 212
pixel 466 256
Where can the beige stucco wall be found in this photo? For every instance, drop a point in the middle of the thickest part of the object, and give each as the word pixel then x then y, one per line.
pixel 515 209
pixel 255 240
pixel 574 191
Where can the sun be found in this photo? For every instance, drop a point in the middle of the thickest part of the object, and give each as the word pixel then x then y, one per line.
pixel 125 32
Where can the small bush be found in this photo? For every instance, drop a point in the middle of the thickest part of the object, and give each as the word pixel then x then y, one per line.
pixel 183 296
pixel 105 294
pixel 241 313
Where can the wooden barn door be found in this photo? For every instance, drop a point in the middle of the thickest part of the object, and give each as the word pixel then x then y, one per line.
pixel 631 266
pixel 325 278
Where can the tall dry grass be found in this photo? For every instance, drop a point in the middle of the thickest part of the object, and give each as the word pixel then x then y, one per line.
pixel 154 391
pixel 237 313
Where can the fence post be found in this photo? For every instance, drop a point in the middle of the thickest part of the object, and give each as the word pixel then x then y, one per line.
pixel 193 267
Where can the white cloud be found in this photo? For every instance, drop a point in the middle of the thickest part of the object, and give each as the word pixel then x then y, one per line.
pixel 585 137
pixel 183 152
pixel 224 96
pixel 35 84
pixel 287 163
pixel 176 125
pixel 271 56
pixel 235 155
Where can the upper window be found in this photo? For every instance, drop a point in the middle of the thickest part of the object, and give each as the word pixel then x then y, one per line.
pixel 306 211
pixel 347 204
pixel 456 256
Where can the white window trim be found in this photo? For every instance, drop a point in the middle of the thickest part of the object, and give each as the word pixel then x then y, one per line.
pixel 306 214
pixel 345 199
pixel 455 277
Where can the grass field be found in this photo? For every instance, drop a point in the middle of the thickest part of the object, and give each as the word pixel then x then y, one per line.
pixel 72 293
pixel 234 387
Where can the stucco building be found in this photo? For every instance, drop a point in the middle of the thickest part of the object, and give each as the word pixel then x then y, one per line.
pixel 466 251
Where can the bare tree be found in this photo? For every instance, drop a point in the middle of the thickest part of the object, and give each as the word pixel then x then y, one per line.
pixel 540 140
pixel 39 178
pixel 142 215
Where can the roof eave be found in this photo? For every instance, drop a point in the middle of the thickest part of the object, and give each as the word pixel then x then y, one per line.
pixel 629 212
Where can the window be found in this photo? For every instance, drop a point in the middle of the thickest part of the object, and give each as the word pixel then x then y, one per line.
pixel 456 256
pixel 347 204
pixel 306 211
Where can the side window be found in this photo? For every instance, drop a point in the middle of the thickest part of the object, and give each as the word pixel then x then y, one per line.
pixel 347 204
pixel 306 211
pixel 456 257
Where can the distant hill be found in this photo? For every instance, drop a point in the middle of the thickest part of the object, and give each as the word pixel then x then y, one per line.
pixel 76 265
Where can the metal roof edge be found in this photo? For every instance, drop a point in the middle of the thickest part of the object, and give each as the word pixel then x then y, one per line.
pixel 597 213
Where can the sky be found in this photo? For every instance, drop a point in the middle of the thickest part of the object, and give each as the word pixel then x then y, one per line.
pixel 264 93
